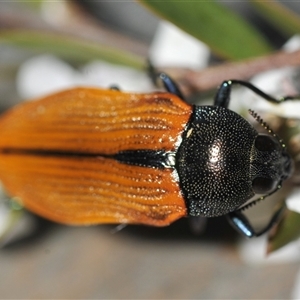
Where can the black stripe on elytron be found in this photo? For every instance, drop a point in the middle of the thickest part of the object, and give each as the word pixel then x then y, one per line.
pixel 144 157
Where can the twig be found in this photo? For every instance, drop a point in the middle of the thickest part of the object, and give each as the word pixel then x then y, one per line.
pixel 212 77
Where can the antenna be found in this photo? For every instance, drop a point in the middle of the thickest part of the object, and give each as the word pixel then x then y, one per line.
pixel 266 127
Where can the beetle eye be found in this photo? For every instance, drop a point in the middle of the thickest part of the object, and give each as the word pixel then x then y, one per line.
pixel 262 185
pixel 265 143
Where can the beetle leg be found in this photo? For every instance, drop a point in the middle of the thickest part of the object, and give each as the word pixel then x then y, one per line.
pixel 240 222
pixel 222 97
pixel 114 88
pixel 197 224
pixel 170 85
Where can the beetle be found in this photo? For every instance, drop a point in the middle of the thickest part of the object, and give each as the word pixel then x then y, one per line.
pixel 87 156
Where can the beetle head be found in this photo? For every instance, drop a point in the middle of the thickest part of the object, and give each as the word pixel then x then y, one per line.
pixel 270 162
pixel 223 162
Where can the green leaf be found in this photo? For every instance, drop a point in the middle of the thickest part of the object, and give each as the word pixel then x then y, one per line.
pixel 285 232
pixel 69 48
pixel 279 16
pixel 226 33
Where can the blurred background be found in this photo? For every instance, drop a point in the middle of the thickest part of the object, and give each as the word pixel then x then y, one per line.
pixel 47 46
